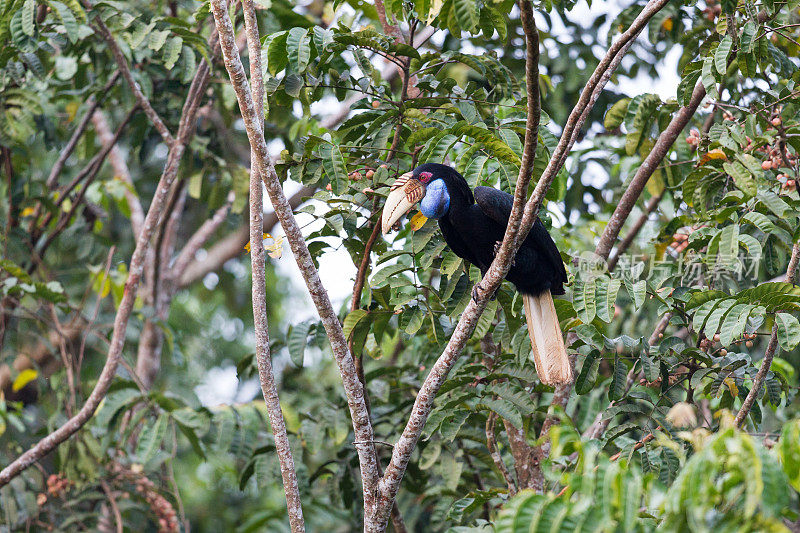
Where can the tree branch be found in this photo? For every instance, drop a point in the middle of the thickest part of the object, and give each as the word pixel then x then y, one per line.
pixel 634 231
pixel 643 173
pixel 516 231
pixel 78 133
pixel 353 389
pixel 122 64
pixel 258 263
pixel 226 248
pixel 769 355
pixel 117 160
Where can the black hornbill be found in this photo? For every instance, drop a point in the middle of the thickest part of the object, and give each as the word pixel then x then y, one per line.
pixel 473 225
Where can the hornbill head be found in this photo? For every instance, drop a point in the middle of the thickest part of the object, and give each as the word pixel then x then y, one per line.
pixel 425 184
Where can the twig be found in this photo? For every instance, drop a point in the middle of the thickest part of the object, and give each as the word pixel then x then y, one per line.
pixel 766 363
pixel 491 444
pixel 113 503
pixel 362 425
pixel 201 236
pixel 78 133
pixel 647 168
pixel 122 64
pixel 259 290
pixel 634 231
pixel 229 246
pixel 640 444
pixel 121 170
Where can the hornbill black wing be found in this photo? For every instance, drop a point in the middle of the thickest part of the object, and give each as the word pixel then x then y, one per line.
pixel 497 205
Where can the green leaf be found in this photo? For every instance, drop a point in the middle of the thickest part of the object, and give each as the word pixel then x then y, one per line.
pixel 618 380
pixel 151 438
pixel 584 301
pixel 788 331
pixel 588 375
pixel 296 342
pixel 616 114
pixel 298 49
pixel 335 168
pixel 28 11
pixel 607 290
pixel 466 14
pixel 276 56
pixel 721 55
pixel 789 452
pixel 504 408
pixel 172 52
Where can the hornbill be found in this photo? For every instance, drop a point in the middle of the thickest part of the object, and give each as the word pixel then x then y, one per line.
pixel 473 225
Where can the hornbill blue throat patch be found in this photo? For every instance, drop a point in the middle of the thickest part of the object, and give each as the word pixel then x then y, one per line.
pixel 473 224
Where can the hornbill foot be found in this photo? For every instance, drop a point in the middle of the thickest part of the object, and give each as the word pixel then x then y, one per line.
pixel 479 287
pixel 497 245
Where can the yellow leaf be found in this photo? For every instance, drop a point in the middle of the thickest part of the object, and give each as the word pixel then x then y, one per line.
pixel 711 155
pixel 275 250
pixel 24 377
pixel 417 221
pixel 28 211
pixel 72 110
pixel 668 24
pixel 731 384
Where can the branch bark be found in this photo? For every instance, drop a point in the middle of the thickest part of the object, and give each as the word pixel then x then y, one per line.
pixel 117 160
pixel 516 231
pixel 255 134
pixel 258 263
pixel 122 63
pixel 226 248
pixel 648 166
pixel 769 355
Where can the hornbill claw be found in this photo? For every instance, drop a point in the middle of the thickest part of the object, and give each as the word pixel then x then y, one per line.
pixel 497 245
pixel 475 289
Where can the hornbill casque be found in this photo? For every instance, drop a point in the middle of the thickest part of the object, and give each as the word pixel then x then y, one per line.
pixel 473 224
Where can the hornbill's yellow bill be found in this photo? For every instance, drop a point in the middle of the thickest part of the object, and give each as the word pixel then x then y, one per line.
pixel 405 192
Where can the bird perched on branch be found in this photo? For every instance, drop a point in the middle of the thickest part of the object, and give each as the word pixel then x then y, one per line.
pixel 473 225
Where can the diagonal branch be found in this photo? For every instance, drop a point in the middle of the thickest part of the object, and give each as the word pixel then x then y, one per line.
pixel 117 160
pixel 769 355
pixel 647 168
pixel 226 248
pixel 94 102
pixel 257 260
pixel 122 64
pixel 353 389
pixel 515 234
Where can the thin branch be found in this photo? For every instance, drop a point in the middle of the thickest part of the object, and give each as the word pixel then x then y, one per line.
pixel 229 246
pixel 769 355
pixel 113 504
pixel 259 290
pixel 117 160
pixel 515 233
pixel 362 425
pixel 201 236
pixel 634 231
pixel 491 444
pixel 78 133
pixel 647 168
pixel 122 64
